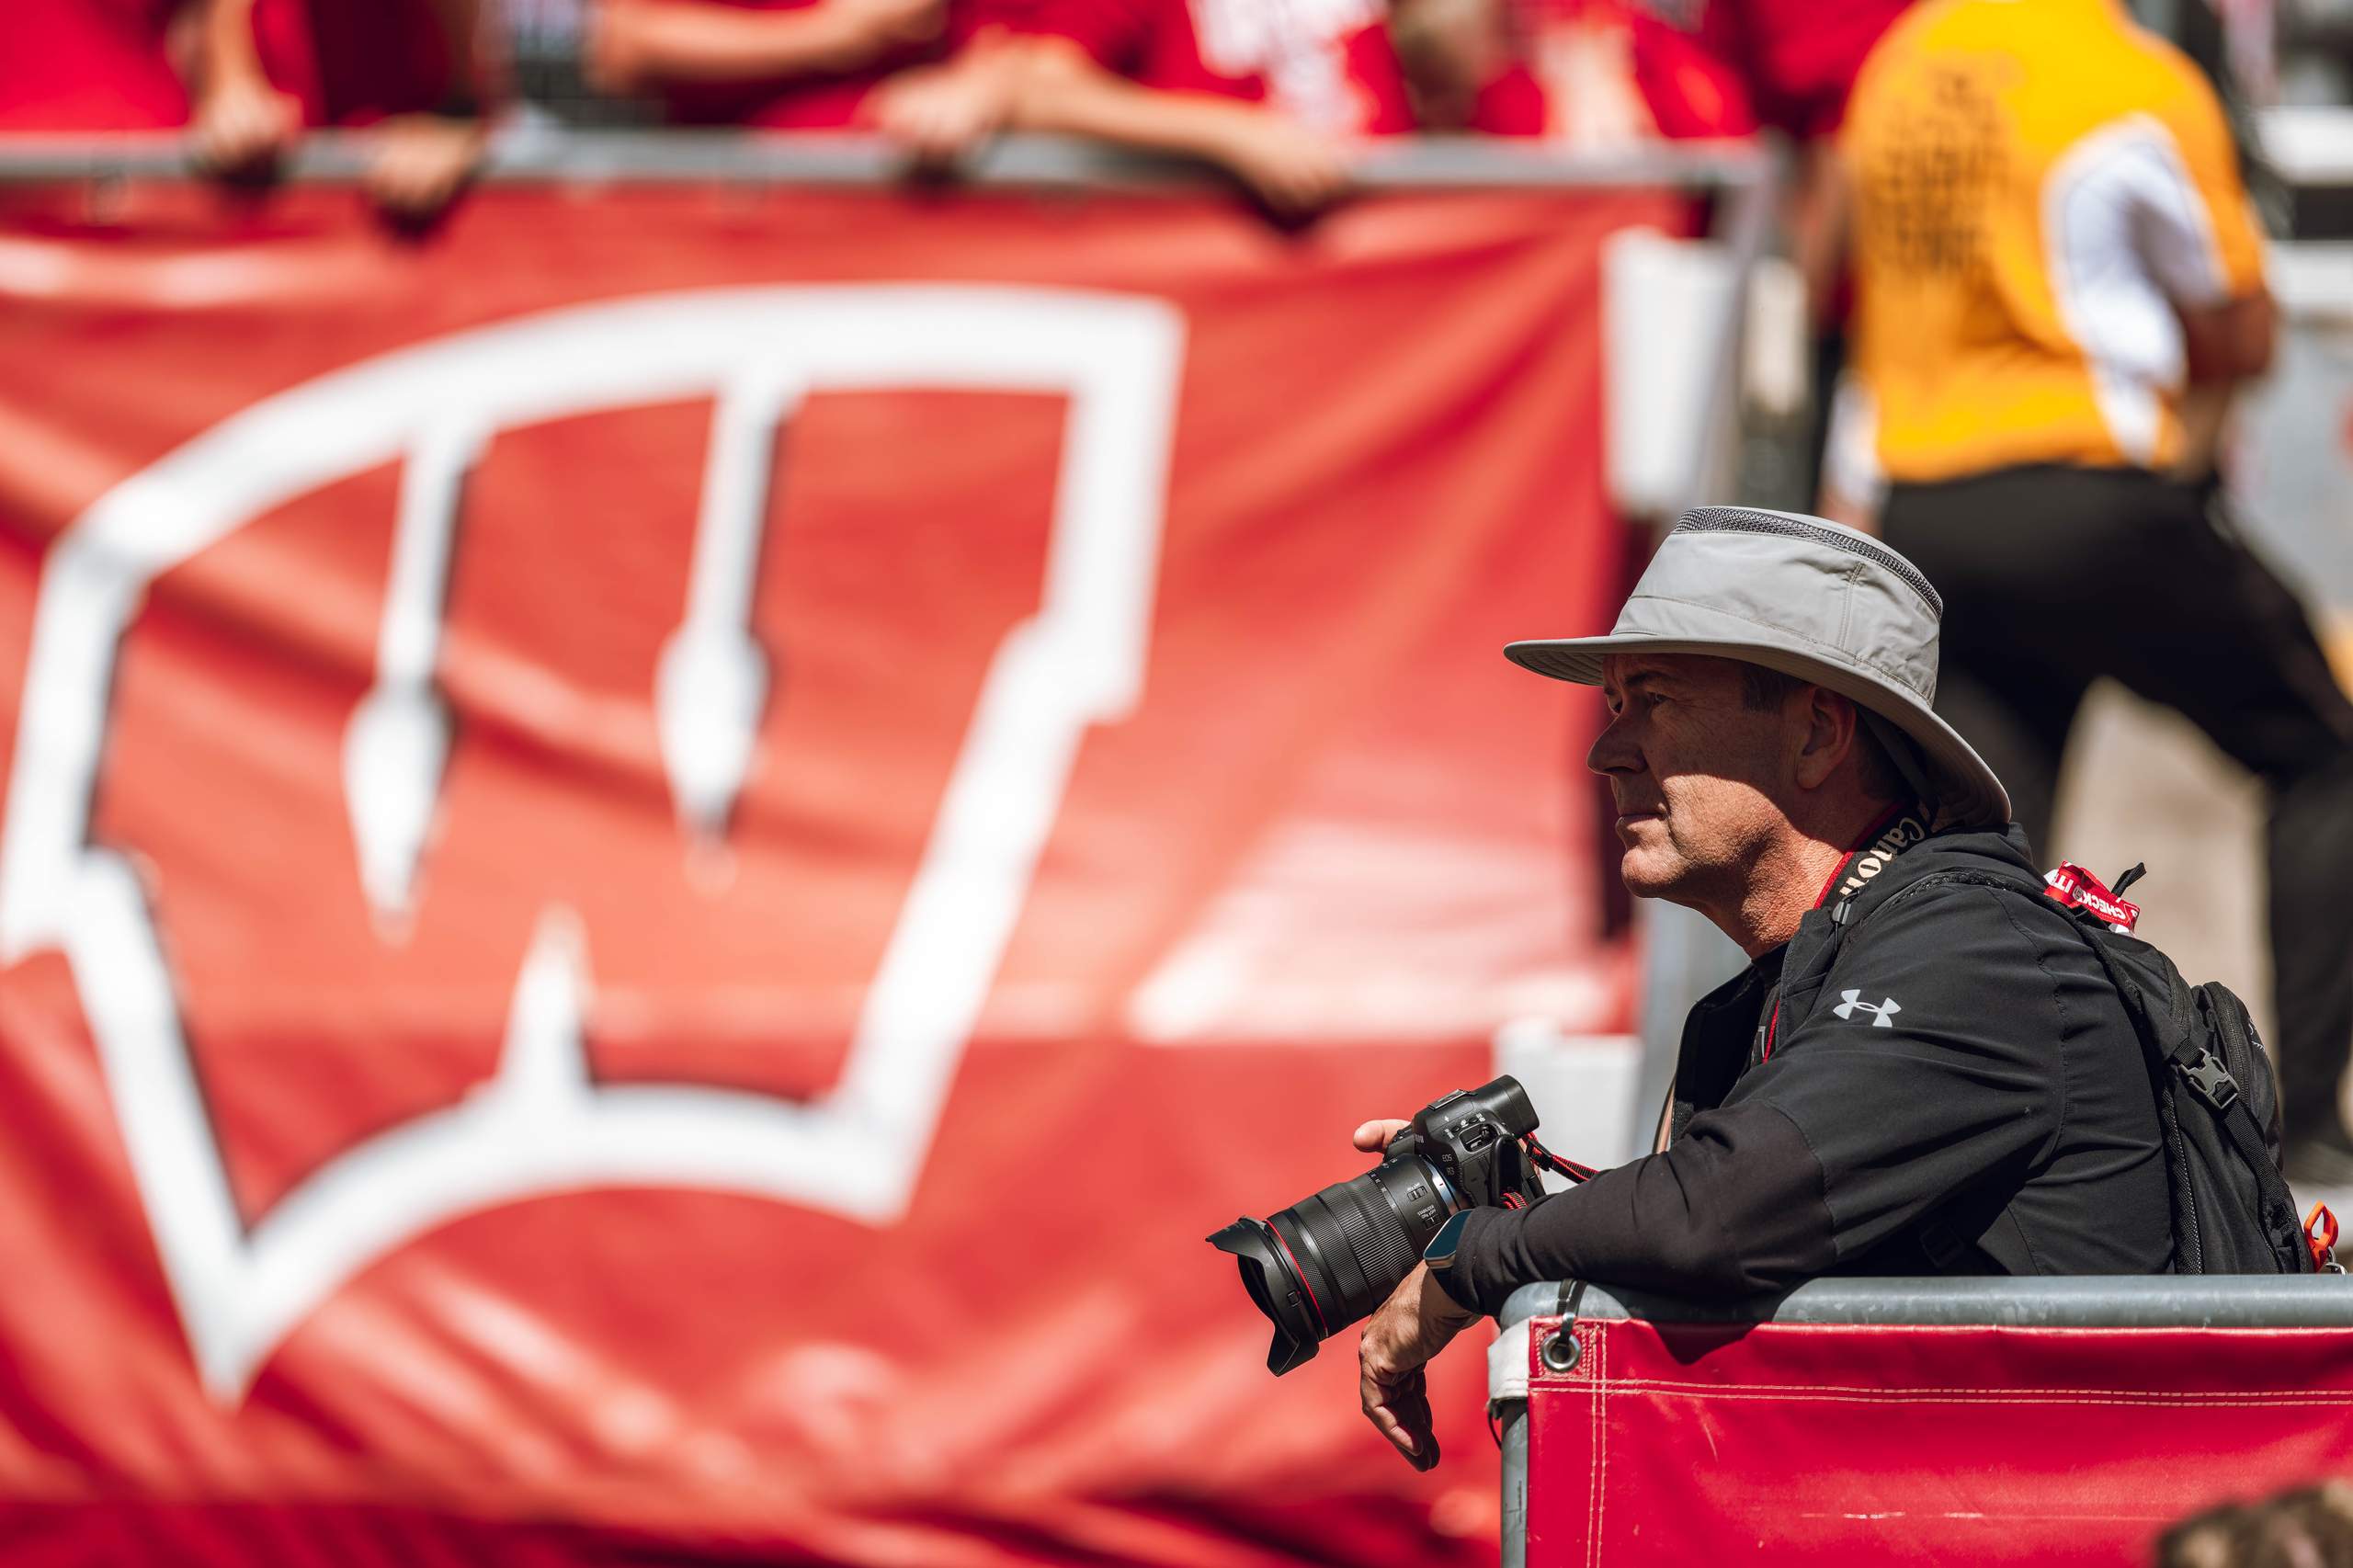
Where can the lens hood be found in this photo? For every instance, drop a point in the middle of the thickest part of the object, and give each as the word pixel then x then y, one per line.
pixel 1276 1286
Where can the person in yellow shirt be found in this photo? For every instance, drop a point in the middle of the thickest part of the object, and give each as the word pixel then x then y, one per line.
pixel 2059 278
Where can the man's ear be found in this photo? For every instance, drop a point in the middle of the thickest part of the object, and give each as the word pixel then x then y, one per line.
pixel 1828 738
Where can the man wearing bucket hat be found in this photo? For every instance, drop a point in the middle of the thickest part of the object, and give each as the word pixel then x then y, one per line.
pixel 1917 1073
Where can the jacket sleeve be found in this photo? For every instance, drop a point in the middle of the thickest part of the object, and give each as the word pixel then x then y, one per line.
pixel 1942 1073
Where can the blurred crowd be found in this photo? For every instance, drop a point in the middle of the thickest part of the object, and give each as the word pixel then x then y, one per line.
pixel 1276 92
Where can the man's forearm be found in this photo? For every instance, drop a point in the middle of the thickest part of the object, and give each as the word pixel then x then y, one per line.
pixel 2229 342
pixel 1735 1206
pixel 686 43
pixel 1063 90
pixel 226 53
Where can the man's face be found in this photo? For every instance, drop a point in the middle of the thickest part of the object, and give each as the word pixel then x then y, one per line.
pixel 1695 774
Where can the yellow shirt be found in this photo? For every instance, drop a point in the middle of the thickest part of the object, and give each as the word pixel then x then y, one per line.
pixel 2038 184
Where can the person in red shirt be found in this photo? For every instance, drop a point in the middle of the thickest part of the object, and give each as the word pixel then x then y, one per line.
pixel 1555 68
pixel 1798 58
pixel 71 65
pixel 780 65
pixel 1273 93
pixel 1589 72
pixel 269 69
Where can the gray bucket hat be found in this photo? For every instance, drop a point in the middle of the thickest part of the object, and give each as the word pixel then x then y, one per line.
pixel 1810 598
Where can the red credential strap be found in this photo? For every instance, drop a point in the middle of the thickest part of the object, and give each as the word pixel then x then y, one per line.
pixel 2075 888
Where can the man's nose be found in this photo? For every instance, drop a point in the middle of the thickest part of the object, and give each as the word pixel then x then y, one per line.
pixel 1614 749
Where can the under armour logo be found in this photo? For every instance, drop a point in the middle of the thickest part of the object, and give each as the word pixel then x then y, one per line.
pixel 1881 1012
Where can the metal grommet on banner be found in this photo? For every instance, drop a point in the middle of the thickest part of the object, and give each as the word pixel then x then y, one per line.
pixel 1560 1351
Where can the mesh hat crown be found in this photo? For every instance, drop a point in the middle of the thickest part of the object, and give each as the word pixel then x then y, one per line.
pixel 1812 599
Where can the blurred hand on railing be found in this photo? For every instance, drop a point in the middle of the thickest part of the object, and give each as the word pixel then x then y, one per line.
pixel 1295 169
pixel 942 113
pixel 242 127
pixel 422 162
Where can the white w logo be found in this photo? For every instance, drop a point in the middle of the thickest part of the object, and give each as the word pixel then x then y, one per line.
pixel 541 1125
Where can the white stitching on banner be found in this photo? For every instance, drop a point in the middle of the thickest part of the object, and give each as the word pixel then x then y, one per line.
pixel 1601 1493
pixel 2246 1398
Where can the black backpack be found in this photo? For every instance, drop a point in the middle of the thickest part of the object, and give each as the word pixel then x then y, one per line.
pixel 2231 1210
pixel 2217 1103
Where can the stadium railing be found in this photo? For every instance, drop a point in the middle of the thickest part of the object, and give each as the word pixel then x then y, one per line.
pixel 534 152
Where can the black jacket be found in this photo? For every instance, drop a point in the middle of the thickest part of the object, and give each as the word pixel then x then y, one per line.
pixel 1952 1085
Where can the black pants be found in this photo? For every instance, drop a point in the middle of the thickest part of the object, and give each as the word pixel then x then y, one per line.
pixel 2054 576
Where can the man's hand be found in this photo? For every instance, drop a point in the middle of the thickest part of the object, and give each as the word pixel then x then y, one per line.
pixel 242 126
pixel 1409 1328
pixel 422 162
pixel 1374 1136
pixel 942 113
pixel 1295 169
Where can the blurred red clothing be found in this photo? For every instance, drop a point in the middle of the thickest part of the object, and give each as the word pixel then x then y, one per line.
pixel 351 62
pixel 1327 62
pixel 1689 92
pixel 1799 58
pixel 88 65
pixel 827 102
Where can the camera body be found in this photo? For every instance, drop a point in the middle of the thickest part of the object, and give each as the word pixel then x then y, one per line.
pixel 1328 1260
pixel 1471 1139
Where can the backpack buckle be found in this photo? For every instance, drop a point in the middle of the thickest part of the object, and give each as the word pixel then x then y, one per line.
pixel 2320 1236
pixel 2211 1079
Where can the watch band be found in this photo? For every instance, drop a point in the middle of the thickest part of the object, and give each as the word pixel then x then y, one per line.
pixel 1439 1253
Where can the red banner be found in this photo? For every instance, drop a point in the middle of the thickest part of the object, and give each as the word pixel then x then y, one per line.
pixel 663 857
pixel 2027 1441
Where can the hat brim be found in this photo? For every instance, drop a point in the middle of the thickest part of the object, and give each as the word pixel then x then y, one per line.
pixel 1969 793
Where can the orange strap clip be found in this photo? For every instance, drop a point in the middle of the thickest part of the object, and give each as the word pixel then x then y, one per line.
pixel 2320 1234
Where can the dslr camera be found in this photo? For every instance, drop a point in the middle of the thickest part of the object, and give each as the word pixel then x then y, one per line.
pixel 1326 1261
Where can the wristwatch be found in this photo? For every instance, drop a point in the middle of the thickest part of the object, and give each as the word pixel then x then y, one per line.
pixel 1439 1253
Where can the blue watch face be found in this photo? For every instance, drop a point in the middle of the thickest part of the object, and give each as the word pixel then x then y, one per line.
pixel 1439 1253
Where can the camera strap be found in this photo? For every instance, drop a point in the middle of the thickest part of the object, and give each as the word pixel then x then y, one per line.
pixel 1901 827
pixel 1898 828
pixel 1545 1160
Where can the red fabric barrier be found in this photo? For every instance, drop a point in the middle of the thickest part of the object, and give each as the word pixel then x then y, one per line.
pixel 655 885
pixel 1804 1443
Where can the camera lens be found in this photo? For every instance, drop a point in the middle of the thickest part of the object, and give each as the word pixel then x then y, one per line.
pixel 1317 1267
